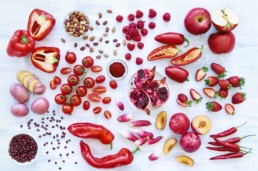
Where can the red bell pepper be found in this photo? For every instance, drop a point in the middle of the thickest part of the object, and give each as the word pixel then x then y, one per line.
pixel 169 51
pixel 21 44
pixel 46 58
pixel 172 38
pixel 40 23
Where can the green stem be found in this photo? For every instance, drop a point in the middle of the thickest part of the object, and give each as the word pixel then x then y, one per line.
pixel 134 151
pixel 187 41
pixel 241 125
pixel 111 146
pixel 247 136
pixel 24 39
pixel 201 48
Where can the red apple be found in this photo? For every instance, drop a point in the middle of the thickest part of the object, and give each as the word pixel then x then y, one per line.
pixel 221 42
pixel 190 142
pixel 198 21
pixel 179 123
pixel 224 20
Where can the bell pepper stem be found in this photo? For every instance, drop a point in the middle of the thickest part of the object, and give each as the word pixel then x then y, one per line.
pixel 179 50
pixel 134 151
pixel 24 39
pixel 187 41
pixel 201 48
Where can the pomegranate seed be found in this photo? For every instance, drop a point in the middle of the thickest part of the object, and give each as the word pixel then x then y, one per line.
pixel 166 17
pixel 107 114
pixel 139 14
pixel 130 46
pixel 97 110
pixel 128 37
pixel 133 32
pixel 125 29
pixel 139 61
pixel 125 117
pixel 128 56
pixel 132 25
pixel 137 38
pixel 140 45
pixel 130 17
pixel 140 24
pixel 152 13
pixel 119 18
pixel 144 32
pixel 152 25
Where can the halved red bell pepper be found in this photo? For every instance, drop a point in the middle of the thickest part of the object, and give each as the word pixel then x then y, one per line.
pixel 40 23
pixel 46 58
pixel 21 44
pixel 189 57
pixel 169 51
pixel 172 38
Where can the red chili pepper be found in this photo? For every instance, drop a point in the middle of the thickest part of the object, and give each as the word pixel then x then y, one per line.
pixel 227 132
pixel 46 58
pixel 228 156
pixel 40 23
pixel 169 51
pixel 123 157
pixel 90 130
pixel 233 147
pixel 231 140
pixel 189 57
pixel 172 38
pixel 21 44
pixel 220 149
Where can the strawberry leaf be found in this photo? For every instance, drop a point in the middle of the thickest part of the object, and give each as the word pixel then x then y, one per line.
pixel 209 106
pixel 205 69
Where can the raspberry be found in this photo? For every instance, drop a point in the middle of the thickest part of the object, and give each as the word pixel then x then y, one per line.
pixel 152 25
pixel 166 17
pixel 128 56
pixel 140 24
pixel 130 46
pixel 125 30
pixel 140 45
pixel 152 13
pixel 139 14
pixel 130 17
pixel 133 32
pixel 128 37
pixel 139 61
pixel 144 32
pixel 137 38
pixel 132 25
pixel 119 18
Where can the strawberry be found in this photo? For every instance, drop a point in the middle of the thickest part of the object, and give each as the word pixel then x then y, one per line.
pixel 195 95
pixel 225 84
pixel 238 98
pixel 213 106
pixel 230 109
pixel 218 69
pixel 211 81
pixel 235 81
pixel 223 93
pixel 210 92
pixel 182 100
pixel 201 73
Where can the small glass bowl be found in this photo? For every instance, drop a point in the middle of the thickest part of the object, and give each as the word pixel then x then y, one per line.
pixel 76 23
pixel 117 78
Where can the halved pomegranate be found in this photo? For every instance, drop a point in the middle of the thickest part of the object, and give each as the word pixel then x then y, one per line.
pixel 140 99
pixel 142 76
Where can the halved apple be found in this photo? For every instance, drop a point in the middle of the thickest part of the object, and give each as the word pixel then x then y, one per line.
pixel 169 145
pixel 185 160
pixel 224 20
pixel 201 124
pixel 161 120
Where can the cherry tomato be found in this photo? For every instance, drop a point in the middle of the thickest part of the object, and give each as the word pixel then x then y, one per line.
pixel 97 110
pixel 60 99
pixel 106 100
pixel 107 114
pixel 86 105
pixel 78 70
pixel 87 61
pixel 100 79
pixel 81 91
pixel 70 57
pixel 89 82
pixel 65 70
pixel 99 90
pixel 96 68
pixel 73 80
pixel 52 85
pixel 67 109
pixel 94 97
pixel 113 84
pixel 75 100
pixel 57 80
pixel 66 89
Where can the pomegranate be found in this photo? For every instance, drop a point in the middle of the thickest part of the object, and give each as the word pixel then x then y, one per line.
pixel 142 76
pixel 140 99
pixel 158 91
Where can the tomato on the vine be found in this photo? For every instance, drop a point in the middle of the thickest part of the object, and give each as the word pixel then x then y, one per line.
pixel 81 91
pixel 89 82
pixel 86 105
pixel 75 100
pixel 66 89
pixel 87 62
pixel 73 80
pixel 113 84
pixel 57 80
pixel 100 79
pixel 60 99
pixel 78 70
pixel 94 97
pixel 67 109
pixel 70 57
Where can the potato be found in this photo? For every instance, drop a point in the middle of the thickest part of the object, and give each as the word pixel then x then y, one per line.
pixel 40 105
pixel 19 93
pixel 19 110
pixel 38 88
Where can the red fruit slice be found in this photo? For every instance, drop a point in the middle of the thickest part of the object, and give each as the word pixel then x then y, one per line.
pixel 210 92
pixel 142 76
pixel 140 99
pixel 195 95
pixel 230 109
pixel 201 73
